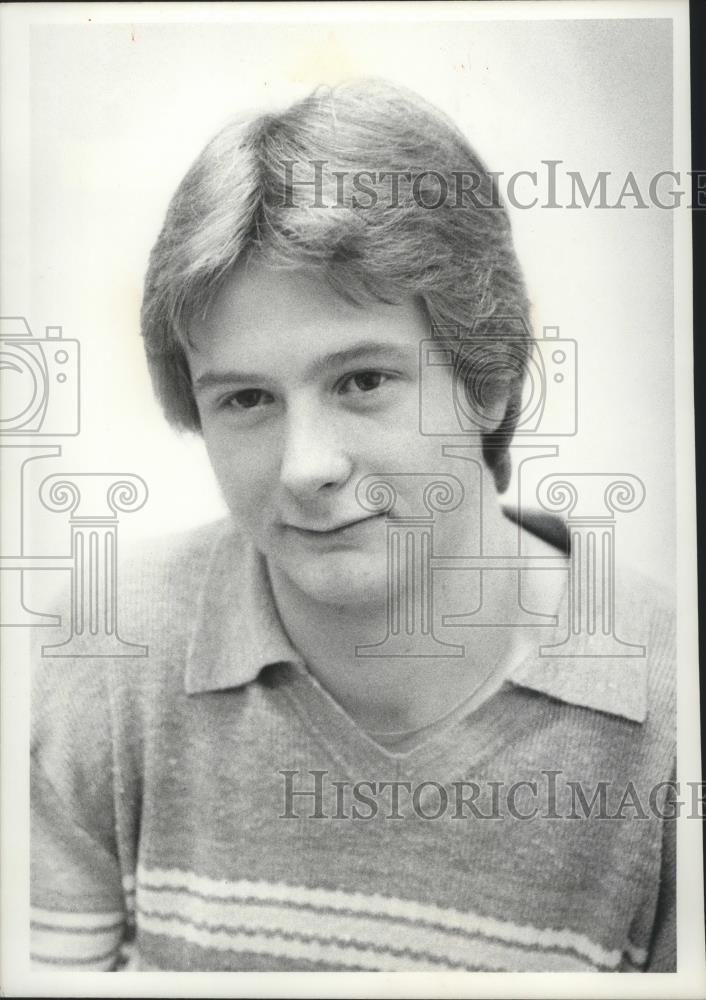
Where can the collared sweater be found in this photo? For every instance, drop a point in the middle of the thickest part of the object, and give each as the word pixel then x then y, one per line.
pixel 211 803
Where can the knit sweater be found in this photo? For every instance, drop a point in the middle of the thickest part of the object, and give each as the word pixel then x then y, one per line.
pixel 166 806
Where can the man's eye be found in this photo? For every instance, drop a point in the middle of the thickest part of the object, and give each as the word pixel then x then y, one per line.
pixel 363 382
pixel 247 399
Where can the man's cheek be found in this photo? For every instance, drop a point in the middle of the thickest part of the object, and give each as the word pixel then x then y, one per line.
pixel 249 501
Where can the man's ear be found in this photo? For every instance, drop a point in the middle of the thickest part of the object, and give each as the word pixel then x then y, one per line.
pixel 489 400
pixel 502 413
pixel 495 404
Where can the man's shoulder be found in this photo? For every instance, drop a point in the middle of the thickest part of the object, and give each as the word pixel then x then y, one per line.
pixel 162 552
pixel 643 605
pixel 159 583
pixel 645 617
pixel 161 580
pixel 173 564
pixel 619 656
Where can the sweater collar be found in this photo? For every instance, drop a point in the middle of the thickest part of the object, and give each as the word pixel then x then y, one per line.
pixel 238 632
pixel 617 685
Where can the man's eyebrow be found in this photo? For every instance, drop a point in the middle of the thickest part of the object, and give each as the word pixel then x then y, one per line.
pixel 368 350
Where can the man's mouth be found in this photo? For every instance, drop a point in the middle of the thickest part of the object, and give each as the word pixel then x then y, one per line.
pixel 326 531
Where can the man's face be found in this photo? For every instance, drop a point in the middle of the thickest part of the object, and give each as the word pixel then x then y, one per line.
pixel 301 395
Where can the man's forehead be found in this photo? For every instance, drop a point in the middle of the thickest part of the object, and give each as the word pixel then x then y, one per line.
pixel 261 310
pixel 255 286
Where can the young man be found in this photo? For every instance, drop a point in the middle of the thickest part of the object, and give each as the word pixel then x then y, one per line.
pixel 265 791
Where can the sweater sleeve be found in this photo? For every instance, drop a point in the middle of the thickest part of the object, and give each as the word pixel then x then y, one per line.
pixel 663 946
pixel 78 912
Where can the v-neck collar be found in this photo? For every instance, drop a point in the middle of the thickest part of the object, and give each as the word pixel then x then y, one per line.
pixel 456 751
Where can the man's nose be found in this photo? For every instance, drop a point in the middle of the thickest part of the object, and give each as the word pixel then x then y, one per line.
pixel 314 456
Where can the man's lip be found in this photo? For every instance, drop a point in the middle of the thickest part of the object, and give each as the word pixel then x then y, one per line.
pixel 332 530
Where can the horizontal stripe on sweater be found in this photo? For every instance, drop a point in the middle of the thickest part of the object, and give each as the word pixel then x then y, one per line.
pixel 216 913
pixel 95 963
pixel 70 938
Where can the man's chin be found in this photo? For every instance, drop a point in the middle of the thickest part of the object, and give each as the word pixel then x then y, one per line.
pixel 340 578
